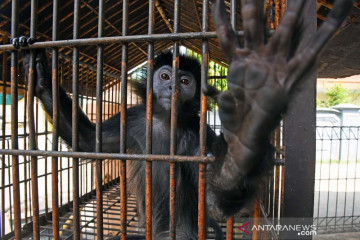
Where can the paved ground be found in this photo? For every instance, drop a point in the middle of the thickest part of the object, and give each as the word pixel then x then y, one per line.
pixel 338 236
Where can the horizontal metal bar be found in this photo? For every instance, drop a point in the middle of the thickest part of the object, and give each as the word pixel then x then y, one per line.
pixel 118 39
pixel 115 156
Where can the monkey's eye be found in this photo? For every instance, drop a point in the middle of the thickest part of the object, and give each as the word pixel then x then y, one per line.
pixel 185 81
pixel 164 76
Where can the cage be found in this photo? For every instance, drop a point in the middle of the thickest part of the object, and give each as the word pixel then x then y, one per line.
pixel 50 190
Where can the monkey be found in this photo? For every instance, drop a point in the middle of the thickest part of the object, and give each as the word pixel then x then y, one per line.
pixel 263 76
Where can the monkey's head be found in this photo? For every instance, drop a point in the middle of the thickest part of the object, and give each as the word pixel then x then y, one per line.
pixel 188 81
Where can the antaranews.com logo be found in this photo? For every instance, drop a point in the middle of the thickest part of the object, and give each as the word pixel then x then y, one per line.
pixel 296 228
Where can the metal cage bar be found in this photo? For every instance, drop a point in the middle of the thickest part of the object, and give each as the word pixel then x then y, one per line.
pixel 99 114
pixel 108 97
pixel 14 121
pixel 124 69
pixel 203 125
pixel 173 124
pixel 31 123
pixel 149 95
pixel 75 124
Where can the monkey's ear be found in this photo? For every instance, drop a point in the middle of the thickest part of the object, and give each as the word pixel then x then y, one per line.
pixel 139 88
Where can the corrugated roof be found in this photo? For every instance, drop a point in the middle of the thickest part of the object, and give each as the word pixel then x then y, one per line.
pixel 190 21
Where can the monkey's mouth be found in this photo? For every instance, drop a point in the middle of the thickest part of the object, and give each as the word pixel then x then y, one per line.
pixel 165 102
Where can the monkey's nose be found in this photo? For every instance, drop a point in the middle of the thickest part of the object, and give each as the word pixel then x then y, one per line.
pixel 170 88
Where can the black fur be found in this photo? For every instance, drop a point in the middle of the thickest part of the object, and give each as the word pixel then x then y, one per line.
pixel 187 144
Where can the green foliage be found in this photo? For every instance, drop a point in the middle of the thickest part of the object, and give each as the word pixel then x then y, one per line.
pixel 217 77
pixel 338 94
pixel 354 95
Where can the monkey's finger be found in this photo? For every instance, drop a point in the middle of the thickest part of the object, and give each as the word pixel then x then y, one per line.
pixel 252 15
pixel 307 56
pixel 281 40
pixel 41 66
pixel 224 31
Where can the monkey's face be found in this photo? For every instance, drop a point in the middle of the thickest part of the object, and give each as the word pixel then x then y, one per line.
pixel 162 86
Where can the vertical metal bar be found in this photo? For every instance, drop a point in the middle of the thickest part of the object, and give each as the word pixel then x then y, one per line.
pixel 300 128
pixel 3 115
pixel 233 14
pixel 10 199
pixel 55 117
pixel 61 75
pixel 229 228
pixel 277 13
pixel 230 222
pixel 149 94
pixel 173 128
pixel 32 133
pixel 108 101
pixel 203 125
pixel 256 216
pixel 98 147
pixel 75 116
pixel 14 120
pixel 87 113
pixel 124 54
pixel 46 167
pixel 25 161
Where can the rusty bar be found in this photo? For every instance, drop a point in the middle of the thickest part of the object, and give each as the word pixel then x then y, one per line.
pixel 3 115
pixel 10 198
pixel 283 6
pixel 230 221
pixel 32 129
pixel 277 13
pixel 46 161
pixel 75 126
pixel 256 219
pixel 124 59
pixel 98 147
pixel 230 228
pixel 55 117
pixel 203 125
pixel 149 94
pixel 108 100
pixel 61 75
pixel 120 39
pixel 112 99
pixel 173 127
pixel 92 104
pixel 115 156
pixel 14 122
pixel 25 161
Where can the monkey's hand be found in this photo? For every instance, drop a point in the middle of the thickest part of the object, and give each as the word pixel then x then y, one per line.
pixel 261 80
pixel 42 75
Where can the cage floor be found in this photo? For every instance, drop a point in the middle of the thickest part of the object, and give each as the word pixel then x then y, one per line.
pixel 111 219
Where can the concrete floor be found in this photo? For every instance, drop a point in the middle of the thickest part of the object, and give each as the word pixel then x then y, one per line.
pixel 338 236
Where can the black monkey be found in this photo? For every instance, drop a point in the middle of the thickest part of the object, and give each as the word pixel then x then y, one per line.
pixel 187 139
pixel 262 78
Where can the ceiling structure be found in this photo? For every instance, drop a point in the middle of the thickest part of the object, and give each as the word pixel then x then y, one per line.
pixel 338 60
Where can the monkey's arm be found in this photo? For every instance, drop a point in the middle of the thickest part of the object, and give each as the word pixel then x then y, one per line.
pixel 43 90
pixel 262 79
